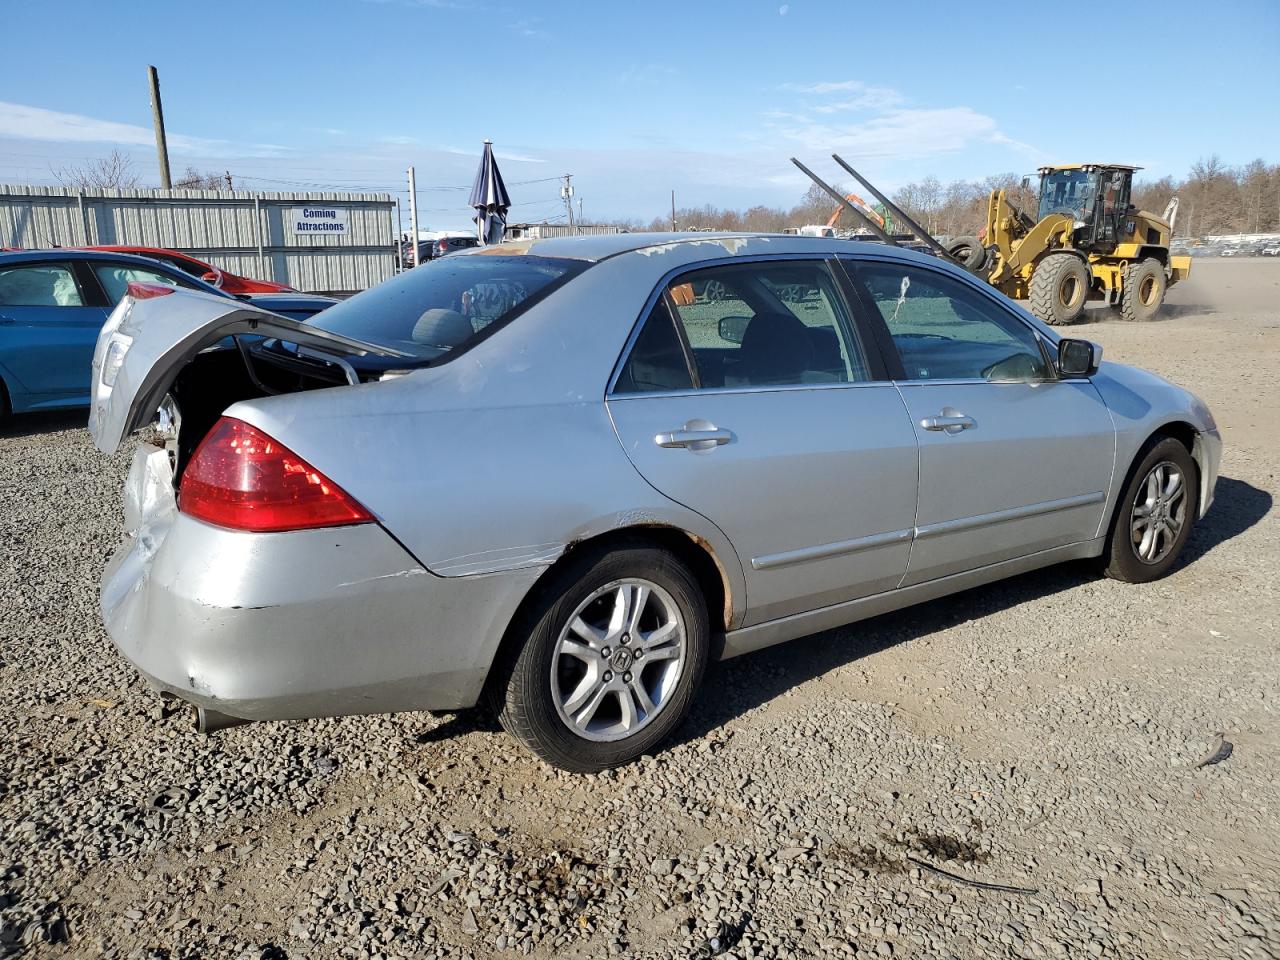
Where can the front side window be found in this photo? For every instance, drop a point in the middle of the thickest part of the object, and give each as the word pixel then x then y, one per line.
pixel 443 306
pixel 116 277
pixel 747 325
pixel 945 331
pixel 39 285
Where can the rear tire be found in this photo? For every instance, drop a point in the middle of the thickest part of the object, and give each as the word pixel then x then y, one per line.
pixel 600 679
pixel 1154 514
pixel 969 251
pixel 1144 288
pixel 1059 288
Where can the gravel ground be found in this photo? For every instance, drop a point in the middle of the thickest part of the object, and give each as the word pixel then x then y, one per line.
pixel 1041 733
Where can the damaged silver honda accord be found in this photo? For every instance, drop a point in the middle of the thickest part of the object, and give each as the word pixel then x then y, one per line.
pixel 566 474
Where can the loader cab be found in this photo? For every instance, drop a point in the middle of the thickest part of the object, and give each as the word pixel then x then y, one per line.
pixel 1095 196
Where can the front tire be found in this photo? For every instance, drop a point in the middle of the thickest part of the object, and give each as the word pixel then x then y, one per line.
pixel 1144 288
pixel 1059 288
pixel 1154 515
pixel 613 651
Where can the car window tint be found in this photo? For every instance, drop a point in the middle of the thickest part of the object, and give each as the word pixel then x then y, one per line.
pixel 116 277
pixel 945 331
pixel 657 360
pixel 767 324
pixel 39 285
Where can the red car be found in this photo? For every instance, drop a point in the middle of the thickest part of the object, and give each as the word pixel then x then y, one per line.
pixel 207 272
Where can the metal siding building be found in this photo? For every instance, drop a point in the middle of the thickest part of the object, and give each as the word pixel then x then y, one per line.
pixel 253 234
pixel 546 231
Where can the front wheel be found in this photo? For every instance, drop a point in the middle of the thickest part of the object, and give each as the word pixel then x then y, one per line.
pixel 611 658
pixel 1144 288
pixel 1059 288
pixel 1154 515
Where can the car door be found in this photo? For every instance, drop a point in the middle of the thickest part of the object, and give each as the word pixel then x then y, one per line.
pixel 47 331
pixel 1013 460
pixel 749 396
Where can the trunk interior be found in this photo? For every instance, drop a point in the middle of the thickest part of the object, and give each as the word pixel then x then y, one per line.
pixel 215 379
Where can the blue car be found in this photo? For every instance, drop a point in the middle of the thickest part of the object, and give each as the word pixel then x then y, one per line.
pixel 54 302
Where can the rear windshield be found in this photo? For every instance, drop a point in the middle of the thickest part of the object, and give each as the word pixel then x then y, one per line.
pixel 444 306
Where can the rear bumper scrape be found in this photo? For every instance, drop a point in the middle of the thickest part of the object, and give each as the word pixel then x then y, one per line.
pixel 310 623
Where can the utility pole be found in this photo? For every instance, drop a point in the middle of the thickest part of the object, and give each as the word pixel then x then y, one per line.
pixel 579 211
pixel 673 211
pixel 567 192
pixel 157 119
pixel 229 187
pixel 413 215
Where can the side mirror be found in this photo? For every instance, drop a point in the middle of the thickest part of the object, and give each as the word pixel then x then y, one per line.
pixel 1026 183
pixel 213 277
pixel 733 329
pixel 1078 358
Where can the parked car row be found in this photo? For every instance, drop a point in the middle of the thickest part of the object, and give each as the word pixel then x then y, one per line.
pixel 566 477
pixel 431 249
pixel 53 304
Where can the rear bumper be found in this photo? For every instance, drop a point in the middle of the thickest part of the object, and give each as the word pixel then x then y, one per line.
pixel 290 625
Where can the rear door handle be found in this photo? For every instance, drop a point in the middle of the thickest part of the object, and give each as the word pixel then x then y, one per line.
pixel 693 439
pixel 949 423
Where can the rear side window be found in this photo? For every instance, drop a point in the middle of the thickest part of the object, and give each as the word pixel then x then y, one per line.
pixel 445 305
pixel 780 323
pixel 39 285
pixel 116 277
pixel 657 361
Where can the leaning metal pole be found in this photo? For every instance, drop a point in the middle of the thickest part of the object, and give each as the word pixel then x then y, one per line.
pixel 835 195
pixel 914 227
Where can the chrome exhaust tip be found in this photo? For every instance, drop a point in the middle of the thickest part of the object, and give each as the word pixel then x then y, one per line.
pixel 210 721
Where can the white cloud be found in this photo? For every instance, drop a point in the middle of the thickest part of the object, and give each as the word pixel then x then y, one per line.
pixel 887 128
pixel 35 123
pixel 21 122
pixel 499 154
pixel 784 10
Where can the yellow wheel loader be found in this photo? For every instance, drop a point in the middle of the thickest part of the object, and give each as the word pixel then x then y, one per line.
pixel 1086 242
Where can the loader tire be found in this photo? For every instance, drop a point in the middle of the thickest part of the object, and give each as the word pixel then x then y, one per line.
pixel 1059 289
pixel 1144 287
pixel 968 252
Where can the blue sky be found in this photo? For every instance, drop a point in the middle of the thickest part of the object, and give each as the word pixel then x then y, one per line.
pixel 634 99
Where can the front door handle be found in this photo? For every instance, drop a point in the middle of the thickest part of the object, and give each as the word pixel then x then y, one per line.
pixel 694 438
pixel 948 423
pixel 6 320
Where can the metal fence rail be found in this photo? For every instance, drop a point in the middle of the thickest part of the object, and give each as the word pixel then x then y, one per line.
pixel 346 247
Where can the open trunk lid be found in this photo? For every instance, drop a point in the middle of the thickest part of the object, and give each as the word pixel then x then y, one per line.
pixel 147 340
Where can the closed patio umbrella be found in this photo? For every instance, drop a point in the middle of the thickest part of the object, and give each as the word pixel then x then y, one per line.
pixel 490 199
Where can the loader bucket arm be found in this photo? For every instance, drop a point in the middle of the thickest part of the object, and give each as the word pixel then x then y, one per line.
pixel 845 204
pixel 925 237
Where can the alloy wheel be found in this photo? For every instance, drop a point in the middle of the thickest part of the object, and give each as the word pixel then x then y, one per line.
pixel 1158 513
pixel 618 660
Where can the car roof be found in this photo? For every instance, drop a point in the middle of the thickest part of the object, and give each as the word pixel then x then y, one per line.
pixel 76 253
pixel 602 246
pixel 144 251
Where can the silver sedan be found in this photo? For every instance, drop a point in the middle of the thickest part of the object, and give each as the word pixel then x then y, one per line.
pixel 563 475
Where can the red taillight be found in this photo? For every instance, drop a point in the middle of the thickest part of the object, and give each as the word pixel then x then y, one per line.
pixel 141 290
pixel 241 478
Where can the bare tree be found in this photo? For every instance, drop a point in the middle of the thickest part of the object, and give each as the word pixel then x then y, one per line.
pixel 113 172
pixel 193 179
